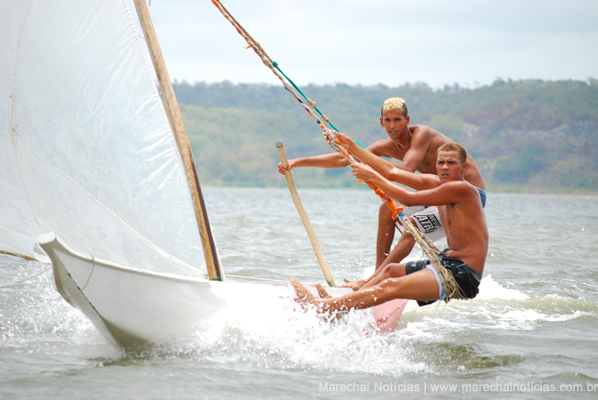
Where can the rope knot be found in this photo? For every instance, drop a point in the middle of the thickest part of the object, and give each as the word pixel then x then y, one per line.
pixel 329 133
pixel 330 137
pixel 266 62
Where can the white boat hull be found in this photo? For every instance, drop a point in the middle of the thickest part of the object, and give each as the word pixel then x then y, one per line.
pixel 136 308
pixel 129 306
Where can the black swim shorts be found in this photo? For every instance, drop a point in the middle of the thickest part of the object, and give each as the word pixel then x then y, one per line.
pixel 466 277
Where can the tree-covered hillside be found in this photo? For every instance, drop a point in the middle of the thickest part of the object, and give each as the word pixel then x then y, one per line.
pixel 524 134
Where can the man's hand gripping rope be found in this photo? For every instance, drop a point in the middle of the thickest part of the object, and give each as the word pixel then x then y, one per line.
pixel 337 145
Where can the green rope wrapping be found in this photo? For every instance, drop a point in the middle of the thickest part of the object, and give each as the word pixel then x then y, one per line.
pixel 289 85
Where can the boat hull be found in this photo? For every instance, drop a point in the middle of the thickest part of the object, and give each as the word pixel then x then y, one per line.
pixel 128 306
pixel 136 309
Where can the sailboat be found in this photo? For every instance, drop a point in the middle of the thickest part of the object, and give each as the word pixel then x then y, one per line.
pixel 97 174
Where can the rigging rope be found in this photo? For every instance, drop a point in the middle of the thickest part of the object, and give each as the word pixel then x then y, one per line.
pixel 446 278
pixel 25 256
pixel 26 279
pixel 293 89
pixel 263 279
pixel 273 65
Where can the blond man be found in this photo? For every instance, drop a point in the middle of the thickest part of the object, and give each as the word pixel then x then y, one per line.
pixel 416 146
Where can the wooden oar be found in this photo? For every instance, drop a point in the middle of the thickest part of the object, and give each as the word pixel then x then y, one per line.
pixel 310 231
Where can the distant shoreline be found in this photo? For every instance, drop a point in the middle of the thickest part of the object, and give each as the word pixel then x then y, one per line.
pixel 541 190
pixel 529 136
pixel 491 188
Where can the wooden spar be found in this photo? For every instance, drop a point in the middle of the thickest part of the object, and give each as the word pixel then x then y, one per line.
pixel 310 231
pixel 176 121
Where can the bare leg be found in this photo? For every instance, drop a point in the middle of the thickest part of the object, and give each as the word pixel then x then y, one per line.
pixel 321 291
pixel 420 285
pixel 386 234
pixel 303 295
pixel 388 271
pixel 306 298
pixel 355 285
pixel 401 250
pixel 325 295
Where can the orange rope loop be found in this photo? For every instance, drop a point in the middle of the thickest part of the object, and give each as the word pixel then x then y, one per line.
pixel 338 146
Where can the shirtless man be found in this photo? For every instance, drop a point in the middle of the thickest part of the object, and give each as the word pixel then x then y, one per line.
pixel 464 222
pixel 416 147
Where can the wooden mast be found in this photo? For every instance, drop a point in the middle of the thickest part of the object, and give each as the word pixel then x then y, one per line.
pixel 182 141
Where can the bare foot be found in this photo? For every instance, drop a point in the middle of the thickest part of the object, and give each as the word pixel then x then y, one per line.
pixel 355 285
pixel 321 291
pixel 306 298
pixel 303 295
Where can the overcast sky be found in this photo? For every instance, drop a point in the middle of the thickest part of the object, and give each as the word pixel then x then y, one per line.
pixel 469 42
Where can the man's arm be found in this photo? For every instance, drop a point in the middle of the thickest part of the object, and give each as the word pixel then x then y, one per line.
pixel 388 170
pixel 449 192
pixel 413 158
pixel 333 160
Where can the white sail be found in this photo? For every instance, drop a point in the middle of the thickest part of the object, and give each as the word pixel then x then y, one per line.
pixel 86 150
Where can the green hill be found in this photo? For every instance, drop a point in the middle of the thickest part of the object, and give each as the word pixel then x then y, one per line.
pixel 525 135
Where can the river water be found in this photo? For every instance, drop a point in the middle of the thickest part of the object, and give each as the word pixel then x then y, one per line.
pixel 530 333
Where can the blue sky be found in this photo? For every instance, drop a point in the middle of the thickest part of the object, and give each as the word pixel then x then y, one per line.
pixel 469 42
